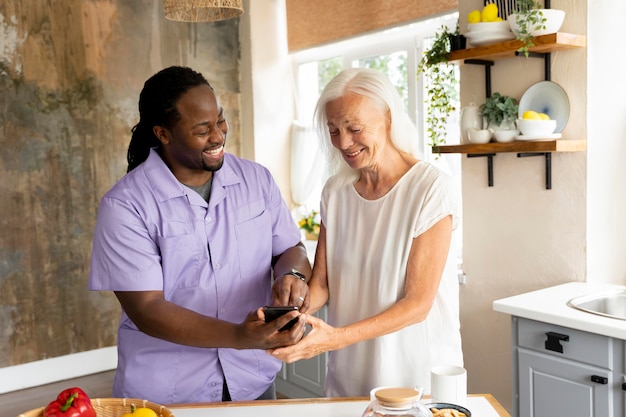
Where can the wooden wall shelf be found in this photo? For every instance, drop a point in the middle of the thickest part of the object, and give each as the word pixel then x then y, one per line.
pixel 504 50
pixel 522 148
pixel 560 145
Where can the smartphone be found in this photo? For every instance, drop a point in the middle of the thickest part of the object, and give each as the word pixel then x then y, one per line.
pixel 272 313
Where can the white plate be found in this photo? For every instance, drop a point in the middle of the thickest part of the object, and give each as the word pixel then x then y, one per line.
pixel 547 97
pixel 551 136
pixel 486 38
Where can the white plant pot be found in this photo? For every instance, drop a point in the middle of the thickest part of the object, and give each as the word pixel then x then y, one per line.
pixel 554 21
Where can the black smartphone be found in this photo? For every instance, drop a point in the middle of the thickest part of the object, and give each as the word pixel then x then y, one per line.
pixel 272 313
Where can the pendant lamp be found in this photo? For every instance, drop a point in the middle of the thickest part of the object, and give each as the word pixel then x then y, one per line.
pixel 202 10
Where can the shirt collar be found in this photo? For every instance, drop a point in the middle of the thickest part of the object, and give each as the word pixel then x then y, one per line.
pixel 166 186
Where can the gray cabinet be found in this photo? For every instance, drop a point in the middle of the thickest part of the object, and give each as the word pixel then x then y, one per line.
pixel 559 371
pixel 304 379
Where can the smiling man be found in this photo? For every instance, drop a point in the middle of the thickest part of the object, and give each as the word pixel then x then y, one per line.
pixel 188 241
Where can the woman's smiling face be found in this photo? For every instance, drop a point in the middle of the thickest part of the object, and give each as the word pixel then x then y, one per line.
pixel 360 129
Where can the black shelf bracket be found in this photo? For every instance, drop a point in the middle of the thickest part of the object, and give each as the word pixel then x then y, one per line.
pixel 548 156
pixel 547 62
pixel 487 64
pixel 489 157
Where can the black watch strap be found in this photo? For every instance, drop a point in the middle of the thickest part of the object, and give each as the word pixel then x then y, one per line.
pixel 296 274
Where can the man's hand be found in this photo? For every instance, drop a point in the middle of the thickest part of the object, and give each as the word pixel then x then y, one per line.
pixel 289 290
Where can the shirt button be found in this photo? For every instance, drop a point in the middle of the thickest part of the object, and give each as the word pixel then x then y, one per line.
pixel 222 310
pixel 218 266
pixel 209 219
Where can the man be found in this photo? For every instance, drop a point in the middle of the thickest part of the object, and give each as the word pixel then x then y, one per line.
pixel 188 240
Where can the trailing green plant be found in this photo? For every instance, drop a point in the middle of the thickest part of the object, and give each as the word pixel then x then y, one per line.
pixel 441 94
pixel 529 17
pixel 499 109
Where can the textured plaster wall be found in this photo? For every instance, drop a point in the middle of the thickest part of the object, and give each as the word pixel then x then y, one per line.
pixel 70 75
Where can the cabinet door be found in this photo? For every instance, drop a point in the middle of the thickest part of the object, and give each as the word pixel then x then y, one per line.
pixel 304 379
pixel 550 386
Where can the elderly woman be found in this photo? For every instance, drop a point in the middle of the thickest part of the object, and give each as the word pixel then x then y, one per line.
pixel 383 261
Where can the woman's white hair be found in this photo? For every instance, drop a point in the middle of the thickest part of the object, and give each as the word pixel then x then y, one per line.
pixel 375 85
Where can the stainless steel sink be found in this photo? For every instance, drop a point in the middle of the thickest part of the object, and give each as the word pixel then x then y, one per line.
pixel 608 304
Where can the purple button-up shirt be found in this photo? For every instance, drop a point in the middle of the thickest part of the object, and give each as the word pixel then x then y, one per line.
pixel 214 258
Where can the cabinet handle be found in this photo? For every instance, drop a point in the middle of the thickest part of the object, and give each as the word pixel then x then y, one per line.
pixel 623 386
pixel 600 379
pixel 553 341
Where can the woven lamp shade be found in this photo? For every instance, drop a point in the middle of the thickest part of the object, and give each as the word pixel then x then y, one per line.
pixel 202 10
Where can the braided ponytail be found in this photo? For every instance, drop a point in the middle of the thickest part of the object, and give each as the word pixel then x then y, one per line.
pixel 157 107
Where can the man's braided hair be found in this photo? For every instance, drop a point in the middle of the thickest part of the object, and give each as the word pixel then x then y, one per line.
pixel 157 107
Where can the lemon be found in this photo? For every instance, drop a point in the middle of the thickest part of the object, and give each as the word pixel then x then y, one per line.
pixel 144 412
pixel 489 13
pixel 531 115
pixel 140 412
pixel 473 16
pixel 544 116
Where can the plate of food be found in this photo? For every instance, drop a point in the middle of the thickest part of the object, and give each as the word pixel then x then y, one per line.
pixel 448 410
pixel 547 97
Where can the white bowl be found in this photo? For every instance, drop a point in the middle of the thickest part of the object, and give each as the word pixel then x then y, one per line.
pixel 554 20
pixel 505 135
pixel 502 26
pixel 479 135
pixel 531 127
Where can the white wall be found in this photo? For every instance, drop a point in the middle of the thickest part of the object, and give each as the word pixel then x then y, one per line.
pixel 267 88
pixel 606 120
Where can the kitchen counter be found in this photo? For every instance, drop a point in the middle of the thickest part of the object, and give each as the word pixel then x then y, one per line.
pixel 480 405
pixel 549 305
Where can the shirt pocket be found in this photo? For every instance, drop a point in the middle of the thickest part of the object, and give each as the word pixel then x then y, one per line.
pixel 180 255
pixel 254 239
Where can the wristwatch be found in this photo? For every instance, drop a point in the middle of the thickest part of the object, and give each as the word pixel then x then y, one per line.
pixel 296 274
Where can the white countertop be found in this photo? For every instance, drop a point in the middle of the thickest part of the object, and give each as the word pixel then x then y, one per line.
pixel 549 305
pixel 479 406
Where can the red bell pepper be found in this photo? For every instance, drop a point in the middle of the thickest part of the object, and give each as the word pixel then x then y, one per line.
pixel 72 402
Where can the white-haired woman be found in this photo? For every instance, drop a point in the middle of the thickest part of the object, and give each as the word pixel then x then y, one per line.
pixel 383 261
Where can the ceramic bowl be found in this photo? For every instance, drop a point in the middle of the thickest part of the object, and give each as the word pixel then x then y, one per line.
pixel 479 135
pixel 505 135
pixel 554 20
pixel 530 127
pixel 489 27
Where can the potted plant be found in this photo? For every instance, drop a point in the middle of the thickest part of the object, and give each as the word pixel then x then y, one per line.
pixel 457 41
pixel 500 112
pixel 531 20
pixel 440 80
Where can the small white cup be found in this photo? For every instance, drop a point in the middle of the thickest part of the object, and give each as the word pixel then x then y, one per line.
pixel 448 384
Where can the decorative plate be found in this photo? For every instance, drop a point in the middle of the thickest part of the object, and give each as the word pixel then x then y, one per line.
pixel 547 97
pixel 486 38
pixel 551 136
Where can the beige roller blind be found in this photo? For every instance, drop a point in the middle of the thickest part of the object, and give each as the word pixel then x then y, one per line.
pixel 316 22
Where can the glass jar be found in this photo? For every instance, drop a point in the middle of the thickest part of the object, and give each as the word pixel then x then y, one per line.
pixel 396 402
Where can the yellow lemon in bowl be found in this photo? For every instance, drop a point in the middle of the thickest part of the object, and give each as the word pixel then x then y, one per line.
pixel 544 116
pixel 531 115
pixel 489 13
pixel 473 16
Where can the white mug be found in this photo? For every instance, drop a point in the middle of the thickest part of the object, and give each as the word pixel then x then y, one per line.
pixel 448 384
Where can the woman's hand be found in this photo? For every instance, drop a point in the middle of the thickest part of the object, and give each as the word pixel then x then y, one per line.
pixel 320 339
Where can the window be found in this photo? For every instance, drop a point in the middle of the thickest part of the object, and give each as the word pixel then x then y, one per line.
pixel 395 52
